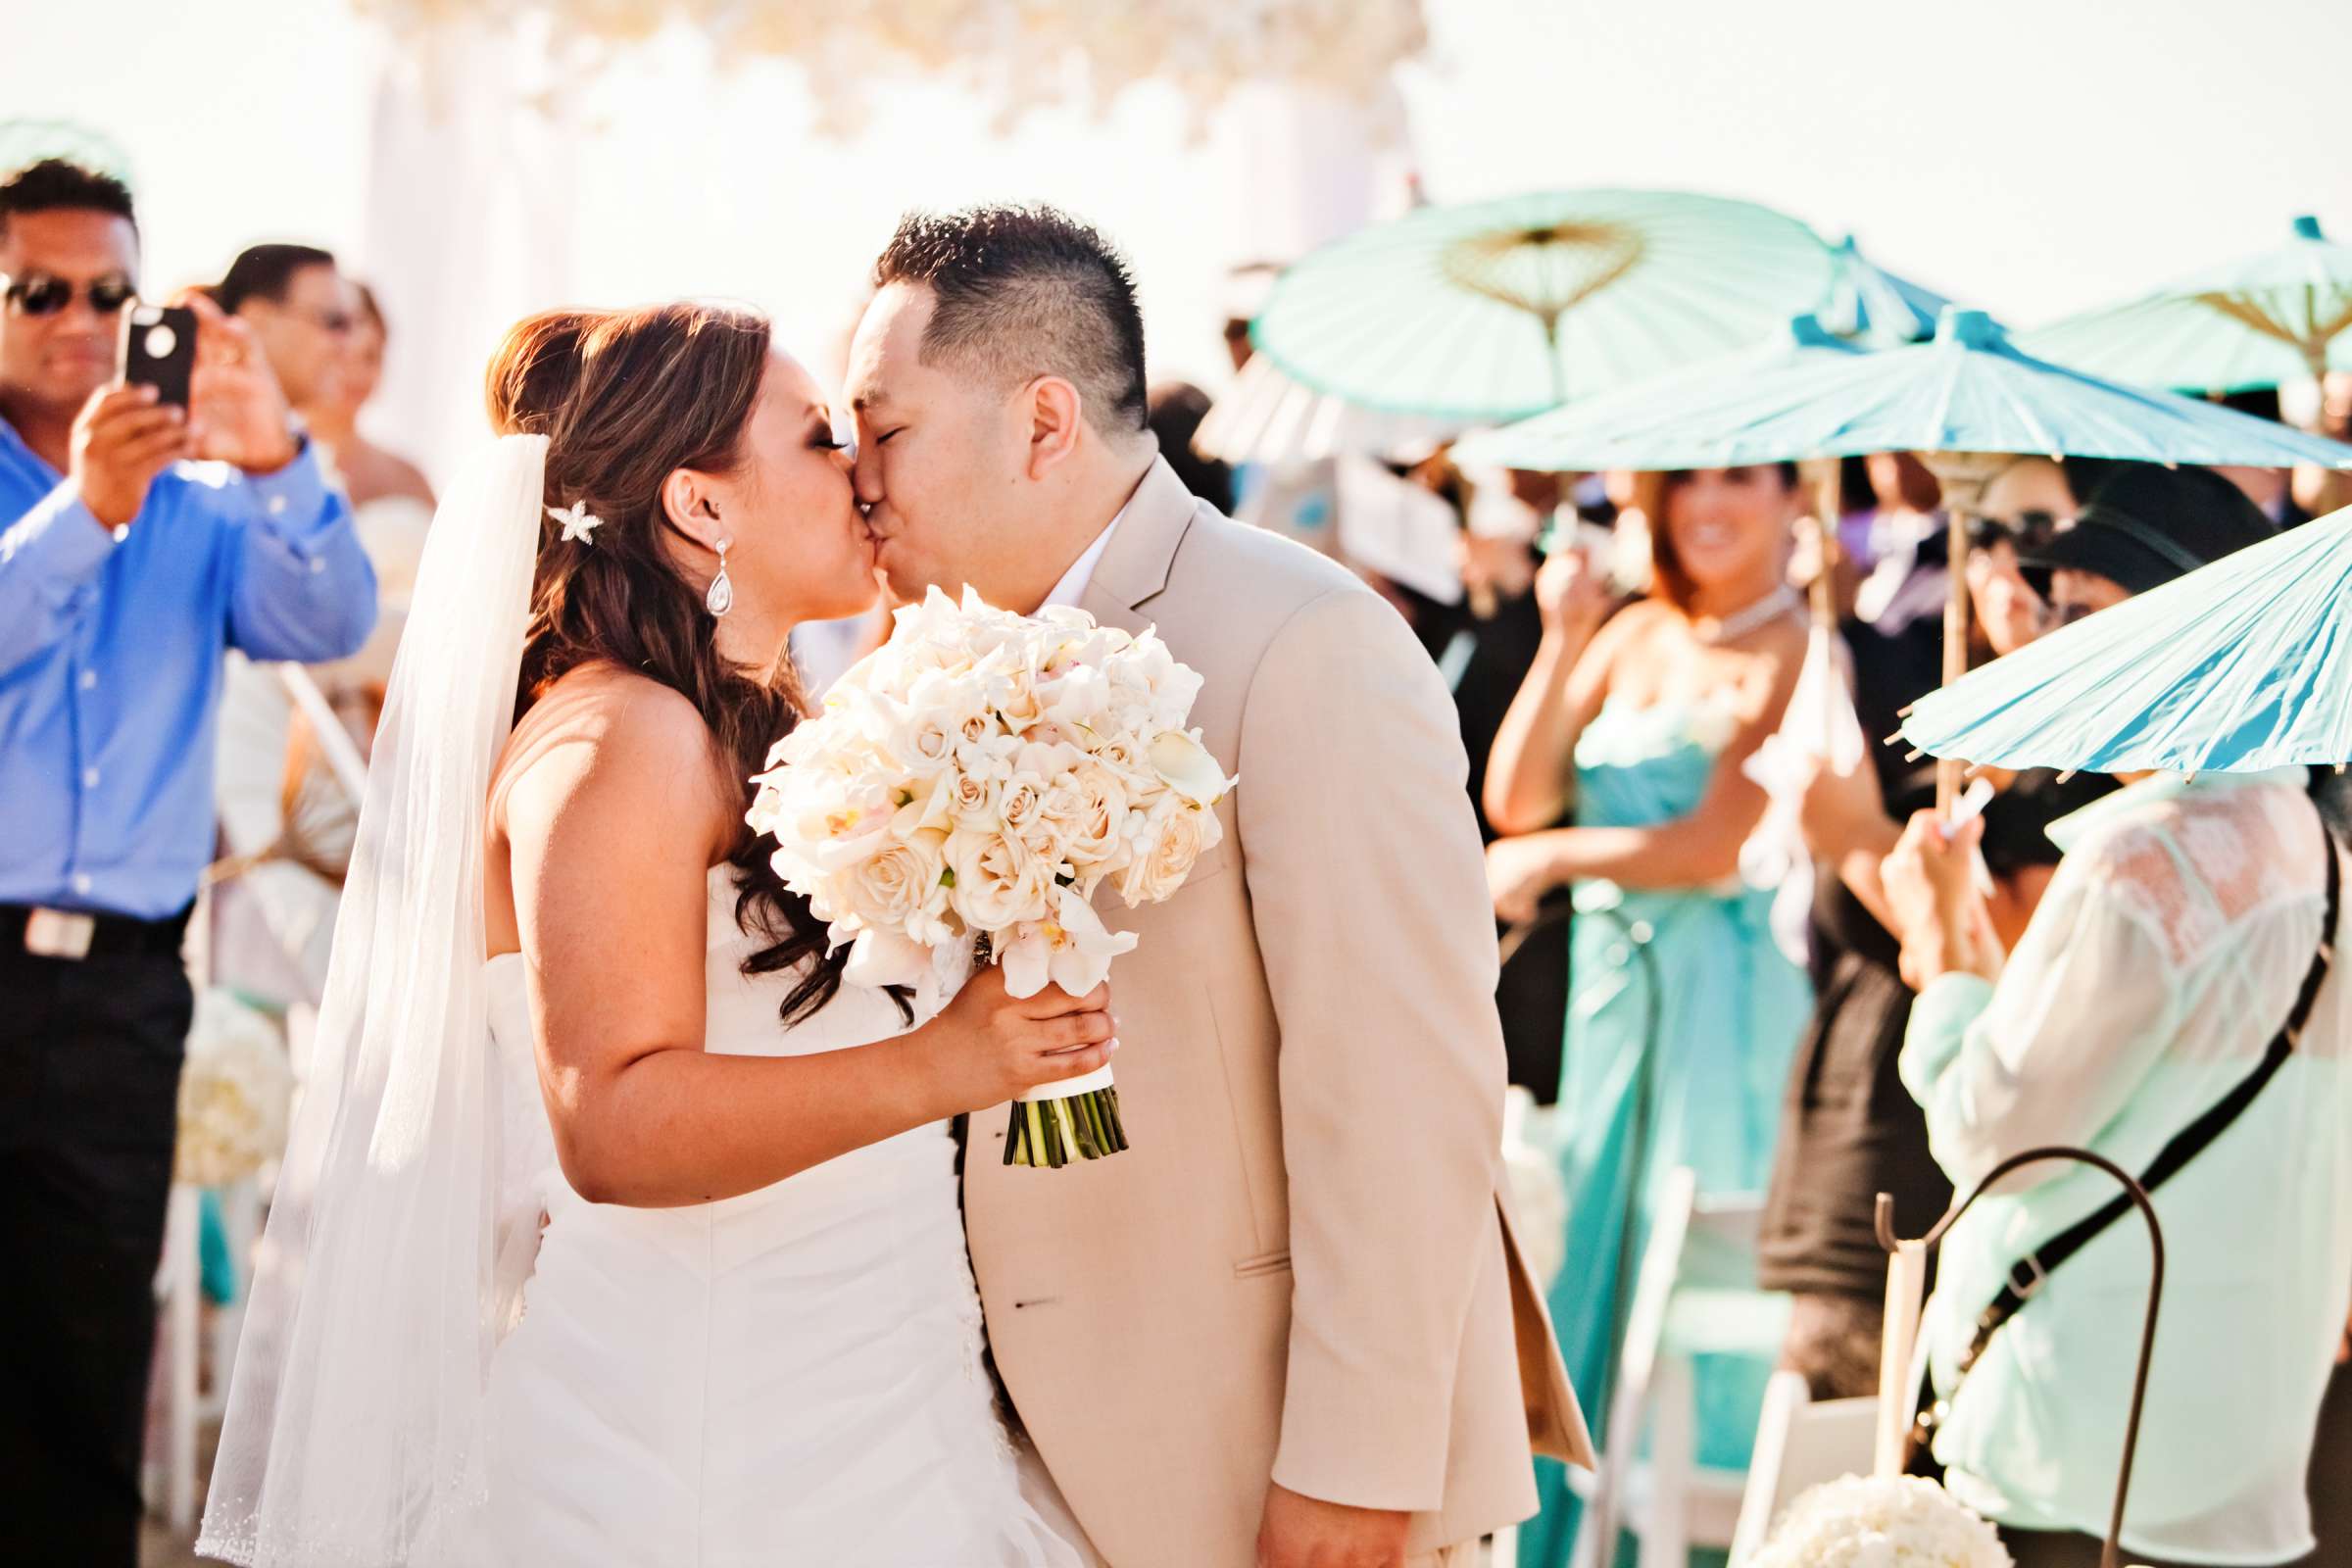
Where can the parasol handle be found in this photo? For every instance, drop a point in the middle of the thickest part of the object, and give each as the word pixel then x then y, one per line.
pixel 1962 476
pixel 2112 1555
pixel 1821 477
pixel 1552 358
pixel 1956 617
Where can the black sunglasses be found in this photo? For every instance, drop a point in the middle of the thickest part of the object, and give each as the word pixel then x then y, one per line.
pixel 41 295
pixel 2028 531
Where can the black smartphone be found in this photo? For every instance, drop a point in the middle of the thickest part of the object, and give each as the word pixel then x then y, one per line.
pixel 159 350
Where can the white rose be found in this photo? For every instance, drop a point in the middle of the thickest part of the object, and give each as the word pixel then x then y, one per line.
pixel 1014 698
pixel 971 802
pixel 1091 807
pixel 1121 753
pixel 997 883
pixel 1178 836
pixel 1048 840
pixel 902 889
pixel 1018 807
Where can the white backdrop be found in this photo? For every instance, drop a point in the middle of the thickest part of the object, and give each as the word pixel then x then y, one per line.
pixel 498 185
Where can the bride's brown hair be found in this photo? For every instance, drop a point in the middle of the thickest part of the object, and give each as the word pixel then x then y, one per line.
pixel 625 398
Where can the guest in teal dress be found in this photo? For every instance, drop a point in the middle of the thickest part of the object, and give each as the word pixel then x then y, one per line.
pixel 1683 1014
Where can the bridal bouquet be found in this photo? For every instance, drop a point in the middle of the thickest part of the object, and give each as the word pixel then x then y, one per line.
pixel 965 791
pixel 1881 1522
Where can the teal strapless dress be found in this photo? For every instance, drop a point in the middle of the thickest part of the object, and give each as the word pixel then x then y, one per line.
pixel 1681 1019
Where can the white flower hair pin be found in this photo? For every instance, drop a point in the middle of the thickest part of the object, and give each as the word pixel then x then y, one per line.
pixel 578 522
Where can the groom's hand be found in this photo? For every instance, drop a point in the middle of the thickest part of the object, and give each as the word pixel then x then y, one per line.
pixel 1305 1533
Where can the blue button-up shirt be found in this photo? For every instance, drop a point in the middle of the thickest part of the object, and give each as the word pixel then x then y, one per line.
pixel 111 654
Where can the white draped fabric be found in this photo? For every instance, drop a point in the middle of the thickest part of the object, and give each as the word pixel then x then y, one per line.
pixel 503 179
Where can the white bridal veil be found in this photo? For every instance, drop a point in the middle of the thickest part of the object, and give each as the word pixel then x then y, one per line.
pixel 354 1434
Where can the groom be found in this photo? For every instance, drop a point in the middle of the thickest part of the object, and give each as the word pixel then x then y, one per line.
pixel 1291 1325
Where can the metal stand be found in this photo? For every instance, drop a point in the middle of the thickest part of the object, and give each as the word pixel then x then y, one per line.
pixel 2112 1555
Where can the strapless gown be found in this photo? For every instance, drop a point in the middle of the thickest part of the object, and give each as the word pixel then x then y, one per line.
pixel 793 1376
pixel 1683 1014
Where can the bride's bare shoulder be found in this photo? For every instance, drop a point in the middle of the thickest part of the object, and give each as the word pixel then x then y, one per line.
pixel 608 740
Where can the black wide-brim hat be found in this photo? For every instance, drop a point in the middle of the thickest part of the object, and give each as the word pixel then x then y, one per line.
pixel 2146 524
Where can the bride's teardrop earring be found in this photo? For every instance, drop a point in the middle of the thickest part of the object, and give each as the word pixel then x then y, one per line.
pixel 721 597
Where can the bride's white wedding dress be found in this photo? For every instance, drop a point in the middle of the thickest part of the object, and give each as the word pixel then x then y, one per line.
pixel 789 1377
pixel 792 1377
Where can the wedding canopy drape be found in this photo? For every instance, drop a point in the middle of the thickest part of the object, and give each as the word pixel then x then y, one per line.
pixel 505 177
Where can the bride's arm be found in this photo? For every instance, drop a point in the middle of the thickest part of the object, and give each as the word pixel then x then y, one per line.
pixel 612 819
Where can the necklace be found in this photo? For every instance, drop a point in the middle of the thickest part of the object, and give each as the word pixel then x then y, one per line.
pixel 1739 623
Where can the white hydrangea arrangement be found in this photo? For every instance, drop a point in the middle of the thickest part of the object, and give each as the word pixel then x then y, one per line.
pixel 1881 1522
pixel 235 1090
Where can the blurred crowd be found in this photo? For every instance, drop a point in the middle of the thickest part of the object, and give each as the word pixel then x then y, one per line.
pixel 1886 1013
pixel 199 609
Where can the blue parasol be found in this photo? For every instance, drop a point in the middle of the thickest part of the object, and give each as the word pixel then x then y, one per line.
pixel 1872 307
pixel 2276 317
pixel 1969 391
pixel 2240 665
pixel 1496 310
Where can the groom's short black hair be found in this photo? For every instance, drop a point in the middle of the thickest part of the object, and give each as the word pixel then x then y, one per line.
pixel 1028 291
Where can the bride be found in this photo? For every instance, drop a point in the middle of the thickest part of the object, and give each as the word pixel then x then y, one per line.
pixel 617 1228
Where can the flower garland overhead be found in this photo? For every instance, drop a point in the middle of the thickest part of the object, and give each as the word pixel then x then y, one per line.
pixel 1011 52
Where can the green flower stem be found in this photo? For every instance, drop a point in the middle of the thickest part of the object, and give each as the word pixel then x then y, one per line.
pixel 1052 1133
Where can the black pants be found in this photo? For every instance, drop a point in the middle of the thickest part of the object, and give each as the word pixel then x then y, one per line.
pixel 89 1086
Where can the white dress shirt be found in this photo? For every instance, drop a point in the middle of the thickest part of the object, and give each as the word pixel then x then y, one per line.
pixel 1074 581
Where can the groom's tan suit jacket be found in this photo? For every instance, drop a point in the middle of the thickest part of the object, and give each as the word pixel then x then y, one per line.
pixel 1303 1270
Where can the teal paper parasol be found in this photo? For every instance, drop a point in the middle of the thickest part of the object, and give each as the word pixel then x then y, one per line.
pixel 1969 391
pixel 1497 310
pixel 1799 343
pixel 2282 316
pixel 1871 306
pixel 2240 665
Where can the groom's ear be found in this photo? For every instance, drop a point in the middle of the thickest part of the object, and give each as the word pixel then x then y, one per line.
pixel 687 501
pixel 1055 418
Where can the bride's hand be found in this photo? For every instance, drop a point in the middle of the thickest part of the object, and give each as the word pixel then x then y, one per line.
pixel 992 1047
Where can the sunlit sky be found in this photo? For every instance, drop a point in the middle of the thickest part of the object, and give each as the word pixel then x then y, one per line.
pixel 2031 156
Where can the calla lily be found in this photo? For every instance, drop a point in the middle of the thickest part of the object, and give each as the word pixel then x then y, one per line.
pixel 1184 764
pixel 879 958
pixel 928 808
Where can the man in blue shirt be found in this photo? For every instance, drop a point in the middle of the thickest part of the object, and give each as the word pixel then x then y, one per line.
pixel 137 541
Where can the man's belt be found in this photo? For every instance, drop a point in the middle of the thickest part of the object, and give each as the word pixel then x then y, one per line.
pixel 78 934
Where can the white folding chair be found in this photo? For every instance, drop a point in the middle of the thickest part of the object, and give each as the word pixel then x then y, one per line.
pixel 1694 1295
pixel 1800 1445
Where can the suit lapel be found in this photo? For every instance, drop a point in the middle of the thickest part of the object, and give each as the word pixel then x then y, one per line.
pixel 1134 570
